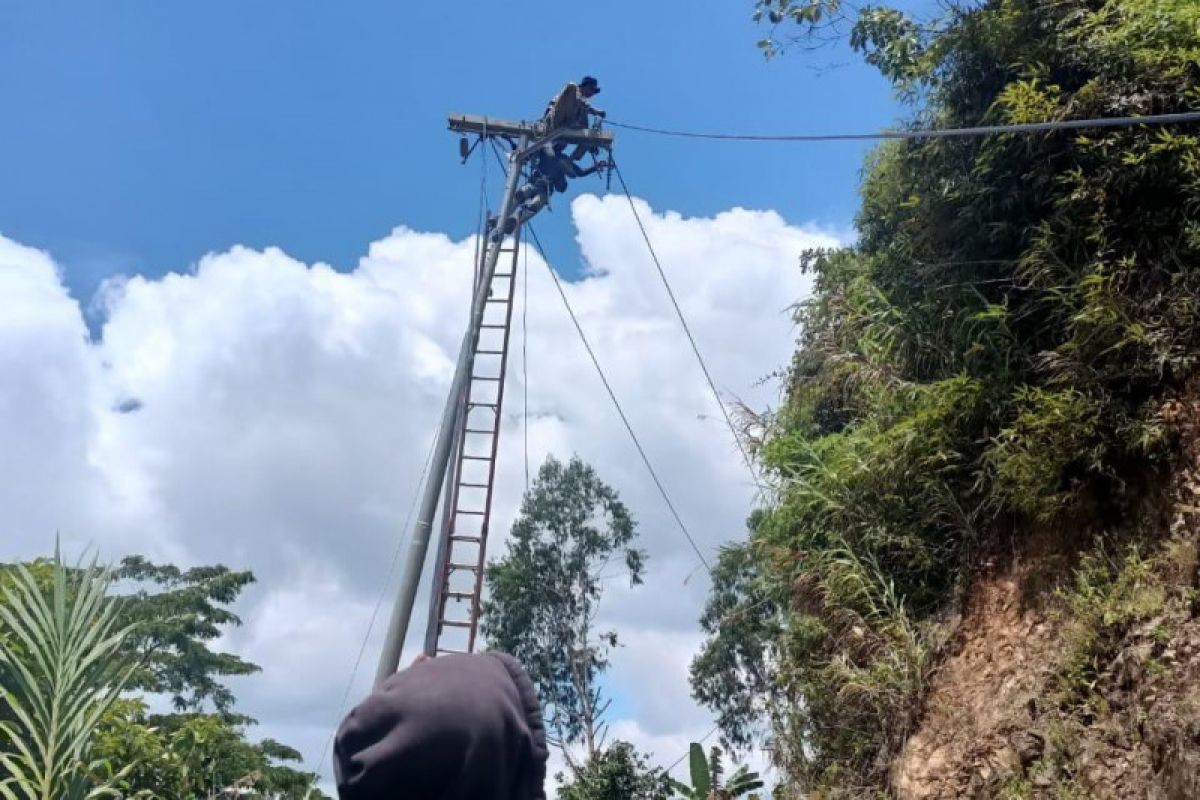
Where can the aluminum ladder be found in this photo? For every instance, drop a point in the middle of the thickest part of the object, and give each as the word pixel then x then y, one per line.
pixel 456 594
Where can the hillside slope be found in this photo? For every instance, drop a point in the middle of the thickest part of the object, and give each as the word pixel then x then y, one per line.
pixel 1091 688
pixel 974 575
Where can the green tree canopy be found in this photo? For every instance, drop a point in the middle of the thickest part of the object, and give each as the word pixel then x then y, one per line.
pixel 1002 346
pixel 193 754
pixel 545 592
pixel 64 667
pixel 619 772
pixel 167 618
pixel 736 672
pixel 178 614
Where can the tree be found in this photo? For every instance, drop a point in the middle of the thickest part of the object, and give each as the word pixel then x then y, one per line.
pixel 735 671
pixel 173 615
pixel 63 669
pixel 546 590
pixel 177 614
pixel 707 774
pixel 170 616
pixel 196 755
pixel 1000 349
pixel 617 773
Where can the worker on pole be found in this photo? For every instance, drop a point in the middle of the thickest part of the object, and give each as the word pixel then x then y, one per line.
pixel 551 169
pixel 570 108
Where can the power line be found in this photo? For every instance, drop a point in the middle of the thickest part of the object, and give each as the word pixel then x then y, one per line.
pixel 703 739
pixel 686 328
pixel 612 395
pixel 378 604
pixel 624 418
pixel 616 403
pixel 931 133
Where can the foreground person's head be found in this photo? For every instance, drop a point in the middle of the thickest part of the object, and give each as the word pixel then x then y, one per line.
pixel 458 727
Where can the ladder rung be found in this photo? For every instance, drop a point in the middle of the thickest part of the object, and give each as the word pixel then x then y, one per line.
pixel 478 458
pixel 494 327
pixel 453 623
pixel 483 378
pixel 472 567
pixel 475 485
pixel 489 352
pixel 473 404
pixel 480 430
pixel 452 652
pixel 504 300
pixel 502 275
pixel 472 539
pixel 472 513
pixel 460 595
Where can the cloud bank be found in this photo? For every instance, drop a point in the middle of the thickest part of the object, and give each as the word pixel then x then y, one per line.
pixel 274 415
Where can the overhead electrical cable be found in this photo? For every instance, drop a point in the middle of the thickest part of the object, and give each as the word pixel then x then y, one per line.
pixel 620 410
pixel 737 440
pixel 612 395
pixel 362 648
pixel 930 133
pixel 617 404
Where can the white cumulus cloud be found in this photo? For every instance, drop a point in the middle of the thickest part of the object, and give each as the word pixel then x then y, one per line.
pixel 274 415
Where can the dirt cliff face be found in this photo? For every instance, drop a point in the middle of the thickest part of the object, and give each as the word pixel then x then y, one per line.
pixel 1075 673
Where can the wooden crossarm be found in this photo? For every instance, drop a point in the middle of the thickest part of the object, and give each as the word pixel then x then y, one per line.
pixel 473 123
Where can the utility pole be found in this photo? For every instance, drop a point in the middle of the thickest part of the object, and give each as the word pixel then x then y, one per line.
pixel 464 458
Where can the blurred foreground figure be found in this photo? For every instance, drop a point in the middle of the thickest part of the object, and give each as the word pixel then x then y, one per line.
pixel 458 727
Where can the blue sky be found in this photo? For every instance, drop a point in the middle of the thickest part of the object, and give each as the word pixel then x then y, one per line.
pixel 140 135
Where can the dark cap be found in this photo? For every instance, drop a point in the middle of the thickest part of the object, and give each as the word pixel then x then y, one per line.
pixel 588 80
pixel 457 727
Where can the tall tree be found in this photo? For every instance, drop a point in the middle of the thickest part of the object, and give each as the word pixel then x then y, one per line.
pixel 195 755
pixel 546 590
pixel 735 670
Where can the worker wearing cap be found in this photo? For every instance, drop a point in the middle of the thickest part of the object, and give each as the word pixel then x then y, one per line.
pixel 570 107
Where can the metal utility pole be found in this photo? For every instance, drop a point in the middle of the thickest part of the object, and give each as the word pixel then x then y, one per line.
pixel 470 425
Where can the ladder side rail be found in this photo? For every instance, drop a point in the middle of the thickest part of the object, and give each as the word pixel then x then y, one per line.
pixel 389 659
pixel 477 599
pixel 440 583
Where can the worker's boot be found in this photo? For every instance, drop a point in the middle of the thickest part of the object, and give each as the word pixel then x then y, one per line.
pixel 498 233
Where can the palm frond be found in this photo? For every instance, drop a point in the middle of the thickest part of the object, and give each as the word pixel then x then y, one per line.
pixel 63 672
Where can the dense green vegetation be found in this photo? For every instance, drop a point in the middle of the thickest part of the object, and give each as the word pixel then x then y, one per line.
pixel 992 356
pixel 77 649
